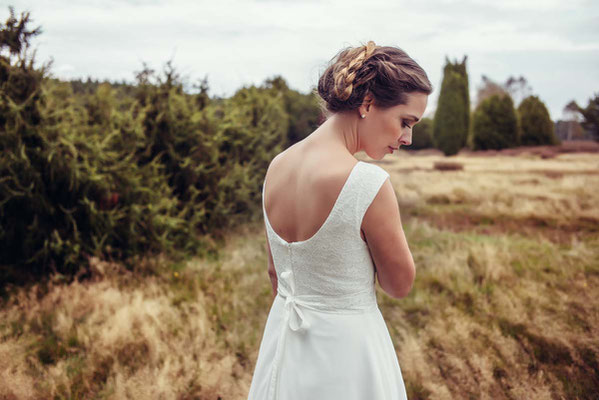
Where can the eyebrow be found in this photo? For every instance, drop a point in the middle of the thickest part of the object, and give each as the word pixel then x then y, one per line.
pixel 413 117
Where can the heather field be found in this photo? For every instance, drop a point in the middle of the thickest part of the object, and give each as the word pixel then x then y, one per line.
pixel 504 306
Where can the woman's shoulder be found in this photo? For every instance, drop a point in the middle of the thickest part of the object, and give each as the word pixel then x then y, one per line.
pixel 297 157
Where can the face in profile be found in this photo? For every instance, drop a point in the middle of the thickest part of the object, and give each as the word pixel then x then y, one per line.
pixel 385 130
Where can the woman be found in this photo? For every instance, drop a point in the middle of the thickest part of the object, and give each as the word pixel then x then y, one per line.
pixel 332 227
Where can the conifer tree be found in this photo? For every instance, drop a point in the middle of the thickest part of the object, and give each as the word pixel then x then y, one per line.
pixel 422 135
pixel 537 128
pixel 452 116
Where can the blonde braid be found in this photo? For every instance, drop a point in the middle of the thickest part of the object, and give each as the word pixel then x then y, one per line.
pixel 344 78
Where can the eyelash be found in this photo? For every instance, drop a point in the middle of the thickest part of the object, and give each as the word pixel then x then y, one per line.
pixel 407 125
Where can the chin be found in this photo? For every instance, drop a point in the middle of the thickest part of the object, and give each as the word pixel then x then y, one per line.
pixel 377 156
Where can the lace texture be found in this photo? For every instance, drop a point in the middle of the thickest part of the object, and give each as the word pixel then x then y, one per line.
pixel 332 271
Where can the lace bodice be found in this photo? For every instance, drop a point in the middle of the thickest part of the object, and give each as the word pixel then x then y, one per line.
pixel 332 270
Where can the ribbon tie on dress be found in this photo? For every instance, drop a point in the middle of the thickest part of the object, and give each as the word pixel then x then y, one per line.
pixel 297 321
pixel 294 318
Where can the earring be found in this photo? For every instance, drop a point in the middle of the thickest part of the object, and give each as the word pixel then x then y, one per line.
pixel 363 116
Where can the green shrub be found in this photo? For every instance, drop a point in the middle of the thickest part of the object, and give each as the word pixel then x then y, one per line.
pixel 302 109
pixel 119 170
pixel 495 125
pixel 536 124
pixel 422 135
pixel 71 190
pixel 252 131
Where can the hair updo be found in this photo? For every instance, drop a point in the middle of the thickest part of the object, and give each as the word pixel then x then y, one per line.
pixel 388 73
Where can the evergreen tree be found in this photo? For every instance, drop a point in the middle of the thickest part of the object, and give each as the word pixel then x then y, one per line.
pixel 422 135
pixel 452 116
pixel 495 124
pixel 464 91
pixel 537 128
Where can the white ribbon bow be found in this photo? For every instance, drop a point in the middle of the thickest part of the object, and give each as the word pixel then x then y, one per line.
pixel 297 321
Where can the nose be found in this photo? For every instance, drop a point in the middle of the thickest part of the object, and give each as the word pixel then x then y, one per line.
pixel 405 140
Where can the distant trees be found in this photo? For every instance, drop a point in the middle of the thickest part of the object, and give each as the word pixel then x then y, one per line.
pixel 495 124
pixel 452 116
pixel 590 115
pixel 569 128
pixel 422 135
pixel 516 88
pixel 537 128
pixel 488 88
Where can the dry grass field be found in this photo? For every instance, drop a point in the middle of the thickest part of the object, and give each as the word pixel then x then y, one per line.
pixel 504 306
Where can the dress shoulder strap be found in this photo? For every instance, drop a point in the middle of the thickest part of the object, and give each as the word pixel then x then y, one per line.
pixel 366 181
pixel 371 179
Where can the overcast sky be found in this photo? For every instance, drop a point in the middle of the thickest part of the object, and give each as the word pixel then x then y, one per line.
pixel 554 44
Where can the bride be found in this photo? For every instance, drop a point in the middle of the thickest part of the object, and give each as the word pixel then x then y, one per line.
pixel 333 228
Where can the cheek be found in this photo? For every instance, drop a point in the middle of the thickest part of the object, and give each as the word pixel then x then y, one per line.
pixel 392 129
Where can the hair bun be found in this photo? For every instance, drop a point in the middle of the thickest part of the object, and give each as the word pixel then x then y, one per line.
pixel 350 76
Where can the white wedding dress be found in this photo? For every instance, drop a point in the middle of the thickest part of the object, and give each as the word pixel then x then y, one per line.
pixel 325 337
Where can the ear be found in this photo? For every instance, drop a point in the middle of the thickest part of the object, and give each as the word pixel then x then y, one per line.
pixel 366 103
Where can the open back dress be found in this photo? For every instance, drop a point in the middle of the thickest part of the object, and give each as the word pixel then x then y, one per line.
pixel 325 337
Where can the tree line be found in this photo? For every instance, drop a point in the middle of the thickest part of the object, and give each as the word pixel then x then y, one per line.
pixel 495 122
pixel 118 170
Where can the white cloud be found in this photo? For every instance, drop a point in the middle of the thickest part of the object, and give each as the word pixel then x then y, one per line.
pixel 64 69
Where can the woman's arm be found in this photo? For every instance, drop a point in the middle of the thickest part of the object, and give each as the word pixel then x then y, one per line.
pixel 272 273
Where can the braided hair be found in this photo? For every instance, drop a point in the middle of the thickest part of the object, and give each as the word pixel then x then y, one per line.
pixel 386 72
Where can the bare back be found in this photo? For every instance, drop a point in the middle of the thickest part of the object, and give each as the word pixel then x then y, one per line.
pixel 303 186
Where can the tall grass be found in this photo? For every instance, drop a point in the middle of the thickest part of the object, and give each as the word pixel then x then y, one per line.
pixel 499 310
